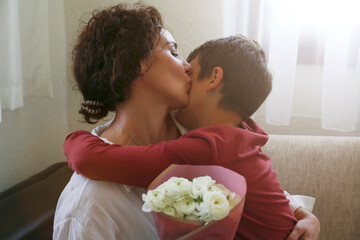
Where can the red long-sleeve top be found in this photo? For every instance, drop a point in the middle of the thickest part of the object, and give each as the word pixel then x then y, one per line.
pixel 266 214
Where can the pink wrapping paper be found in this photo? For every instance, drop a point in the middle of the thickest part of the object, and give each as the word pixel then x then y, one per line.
pixel 169 227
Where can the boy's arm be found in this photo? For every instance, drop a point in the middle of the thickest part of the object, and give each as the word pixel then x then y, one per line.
pixel 132 165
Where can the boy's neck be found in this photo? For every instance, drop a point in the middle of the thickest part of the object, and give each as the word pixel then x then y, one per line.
pixel 215 116
pixel 219 117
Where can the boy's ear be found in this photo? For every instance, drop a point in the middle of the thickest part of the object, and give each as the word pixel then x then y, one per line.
pixel 216 78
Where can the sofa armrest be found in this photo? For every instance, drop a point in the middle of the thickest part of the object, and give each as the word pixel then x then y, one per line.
pixel 27 209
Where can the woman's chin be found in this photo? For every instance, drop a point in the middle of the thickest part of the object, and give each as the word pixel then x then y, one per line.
pixel 183 103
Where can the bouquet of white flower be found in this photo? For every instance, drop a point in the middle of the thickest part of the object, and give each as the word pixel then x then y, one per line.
pixel 188 203
pixel 199 200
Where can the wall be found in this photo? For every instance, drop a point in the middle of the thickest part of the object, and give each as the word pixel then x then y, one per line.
pixel 31 137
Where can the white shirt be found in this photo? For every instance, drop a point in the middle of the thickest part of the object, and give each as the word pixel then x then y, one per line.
pixel 89 209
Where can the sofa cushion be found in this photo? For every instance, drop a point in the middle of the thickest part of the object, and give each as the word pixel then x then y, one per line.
pixel 327 168
pixel 27 209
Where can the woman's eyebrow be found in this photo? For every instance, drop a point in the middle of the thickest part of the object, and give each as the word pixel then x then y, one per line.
pixel 172 43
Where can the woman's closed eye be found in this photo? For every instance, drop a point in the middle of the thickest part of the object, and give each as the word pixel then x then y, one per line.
pixel 172 47
pixel 175 54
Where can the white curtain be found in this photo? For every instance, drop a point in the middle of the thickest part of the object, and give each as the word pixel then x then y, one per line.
pixel 24 58
pixel 10 57
pixel 313 49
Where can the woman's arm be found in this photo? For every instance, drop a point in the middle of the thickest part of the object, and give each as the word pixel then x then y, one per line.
pixel 132 165
pixel 307 227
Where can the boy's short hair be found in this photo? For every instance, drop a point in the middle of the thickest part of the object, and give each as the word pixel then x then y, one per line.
pixel 247 79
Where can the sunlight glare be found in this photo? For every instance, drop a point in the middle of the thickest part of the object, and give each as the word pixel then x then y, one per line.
pixel 319 12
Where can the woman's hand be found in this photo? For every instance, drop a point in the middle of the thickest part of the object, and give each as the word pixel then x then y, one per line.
pixel 307 227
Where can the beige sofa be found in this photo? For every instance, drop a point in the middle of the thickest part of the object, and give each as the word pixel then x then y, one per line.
pixel 327 168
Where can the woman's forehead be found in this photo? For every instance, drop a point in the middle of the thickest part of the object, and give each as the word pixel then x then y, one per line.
pixel 166 37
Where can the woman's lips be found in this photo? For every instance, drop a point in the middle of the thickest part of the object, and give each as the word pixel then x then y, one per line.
pixel 189 86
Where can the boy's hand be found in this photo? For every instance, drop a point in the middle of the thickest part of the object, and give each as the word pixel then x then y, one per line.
pixel 307 227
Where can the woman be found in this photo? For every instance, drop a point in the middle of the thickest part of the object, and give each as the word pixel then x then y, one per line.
pixel 117 72
pixel 124 61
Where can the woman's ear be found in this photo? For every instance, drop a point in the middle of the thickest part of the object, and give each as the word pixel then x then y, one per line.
pixel 145 65
pixel 215 78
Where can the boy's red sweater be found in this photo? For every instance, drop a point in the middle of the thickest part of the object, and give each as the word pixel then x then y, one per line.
pixel 266 214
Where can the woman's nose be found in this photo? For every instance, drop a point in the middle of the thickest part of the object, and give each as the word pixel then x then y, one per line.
pixel 188 68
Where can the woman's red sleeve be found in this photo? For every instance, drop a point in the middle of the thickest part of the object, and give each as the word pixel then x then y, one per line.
pixel 132 165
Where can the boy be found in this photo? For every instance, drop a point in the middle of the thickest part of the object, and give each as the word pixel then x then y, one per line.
pixel 230 81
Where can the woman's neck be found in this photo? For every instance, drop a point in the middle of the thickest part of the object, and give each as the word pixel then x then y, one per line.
pixel 137 124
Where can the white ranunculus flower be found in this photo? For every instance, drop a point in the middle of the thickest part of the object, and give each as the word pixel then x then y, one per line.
pixel 220 188
pixel 162 186
pixel 192 217
pixel 170 211
pixel 205 180
pixel 146 206
pixel 198 190
pixel 177 187
pixel 185 205
pixel 202 211
pixel 217 203
pixel 154 200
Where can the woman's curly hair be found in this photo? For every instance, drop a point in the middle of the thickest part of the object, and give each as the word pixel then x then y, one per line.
pixel 108 53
